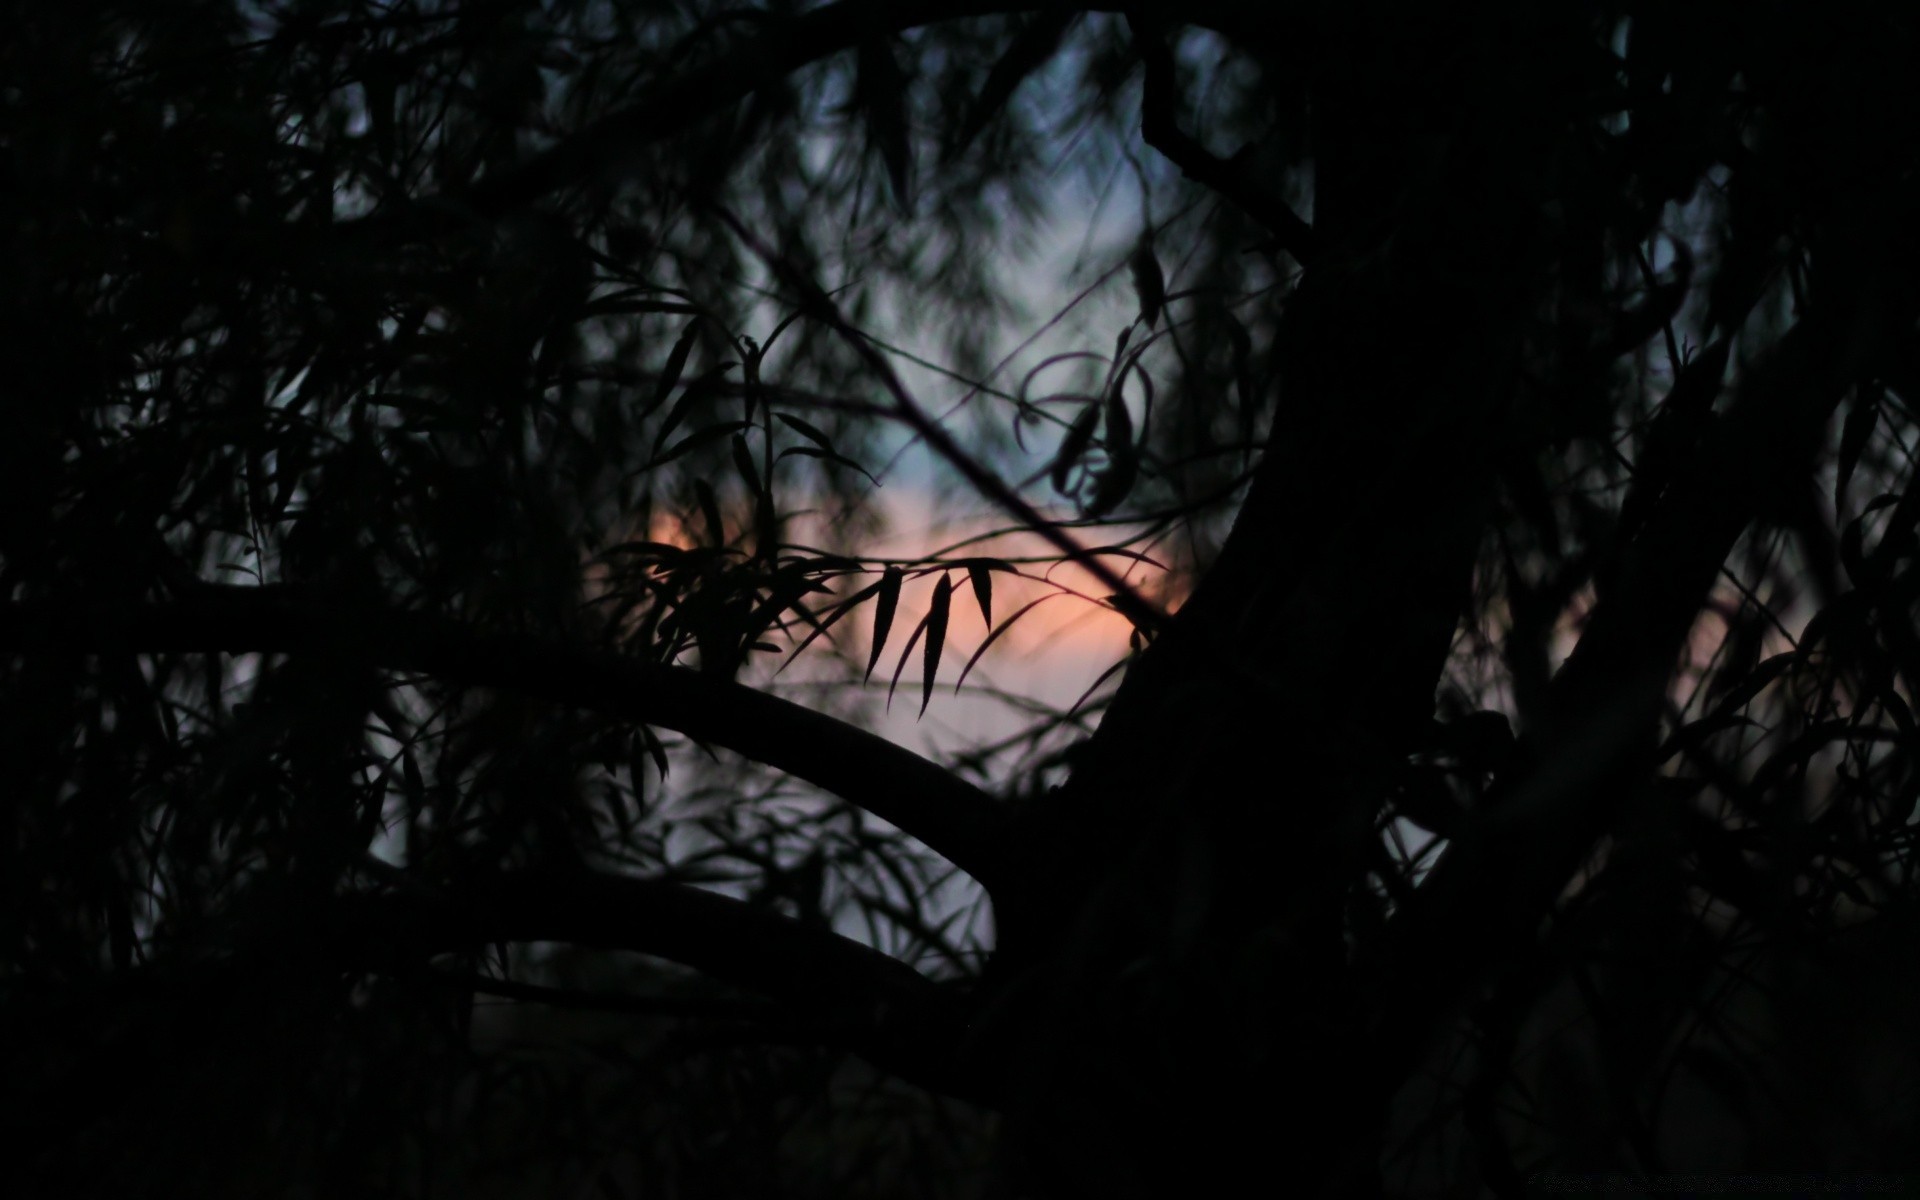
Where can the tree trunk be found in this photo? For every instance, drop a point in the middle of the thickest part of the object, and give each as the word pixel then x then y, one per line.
pixel 1189 965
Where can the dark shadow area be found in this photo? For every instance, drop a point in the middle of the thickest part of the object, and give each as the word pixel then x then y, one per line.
pixel 430 429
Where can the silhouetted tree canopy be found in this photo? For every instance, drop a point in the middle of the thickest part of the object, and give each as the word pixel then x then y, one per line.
pixel 426 427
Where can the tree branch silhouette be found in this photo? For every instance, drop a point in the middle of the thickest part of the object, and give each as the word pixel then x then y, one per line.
pixel 954 818
pixel 1144 614
pixel 1494 884
pixel 676 105
pixel 1160 127
pixel 857 996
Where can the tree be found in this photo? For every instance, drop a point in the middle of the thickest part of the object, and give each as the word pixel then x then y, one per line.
pixel 409 415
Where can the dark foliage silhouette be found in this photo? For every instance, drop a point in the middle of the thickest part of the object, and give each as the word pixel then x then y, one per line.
pixel 425 426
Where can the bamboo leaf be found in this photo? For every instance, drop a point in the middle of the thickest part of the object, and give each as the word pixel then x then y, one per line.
pixel 1149 283
pixel 981 576
pixel 995 636
pixel 829 457
pixel 766 525
pixel 820 627
pixel 1123 465
pixel 901 666
pixel 712 433
pixel 1135 555
pixel 1095 685
pixel 410 771
pixel 710 509
pixel 1074 445
pixel 936 636
pixel 1726 715
pixel 806 430
pixel 883 103
pixel 1119 418
pixel 994 564
pixel 676 363
pixel 743 461
pixel 679 411
pixel 1116 484
pixel 888 603
pixel 1757 679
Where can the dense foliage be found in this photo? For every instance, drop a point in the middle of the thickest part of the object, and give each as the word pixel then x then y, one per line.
pixel 426 426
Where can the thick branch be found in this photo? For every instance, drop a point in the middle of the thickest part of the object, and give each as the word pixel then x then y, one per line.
pixel 815 985
pixel 858 997
pixel 1495 884
pixel 950 815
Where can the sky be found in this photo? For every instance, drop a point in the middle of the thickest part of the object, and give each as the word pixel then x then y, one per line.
pixel 1063 645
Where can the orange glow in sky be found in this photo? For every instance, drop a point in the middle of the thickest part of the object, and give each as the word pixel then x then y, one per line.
pixel 1052 653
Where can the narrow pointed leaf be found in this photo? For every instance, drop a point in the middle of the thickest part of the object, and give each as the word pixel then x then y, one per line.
pixel 678 413
pixel 750 356
pixel 883 612
pixel 820 627
pixel 1095 685
pixel 1074 445
pixel 901 666
pixel 883 102
pixel 676 363
pixel 981 576
pixel 410 770
pixel 766 526
pixel 1757 679
pixel 995 636
pixel 936 636
pixel 829 456
pixel 700 437
pixel 806 430
pixel 1119 418
pixel 1149 283
pixel 1116 484
pixel 710 509
pixel 743 461
pixel 1123 458
pixel 993 564
pixel 1135 555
